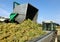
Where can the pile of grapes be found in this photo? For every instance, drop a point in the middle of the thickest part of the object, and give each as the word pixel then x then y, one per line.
pixel 12 32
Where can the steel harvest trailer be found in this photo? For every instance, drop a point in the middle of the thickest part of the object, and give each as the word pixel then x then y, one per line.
pixel 25 11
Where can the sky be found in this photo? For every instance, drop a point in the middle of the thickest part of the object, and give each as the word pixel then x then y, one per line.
pixel 48 9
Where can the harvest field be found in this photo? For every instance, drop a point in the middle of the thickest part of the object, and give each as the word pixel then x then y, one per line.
pixel 12 32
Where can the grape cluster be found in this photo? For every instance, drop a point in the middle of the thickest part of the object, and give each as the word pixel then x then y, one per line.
pixel 12 32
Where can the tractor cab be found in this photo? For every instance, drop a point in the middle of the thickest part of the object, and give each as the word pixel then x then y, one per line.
pixel 49 25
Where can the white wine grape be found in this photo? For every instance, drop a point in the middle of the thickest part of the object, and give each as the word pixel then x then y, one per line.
pixel 12 32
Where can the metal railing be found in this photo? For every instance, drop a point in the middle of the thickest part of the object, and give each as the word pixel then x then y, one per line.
pixel 49 37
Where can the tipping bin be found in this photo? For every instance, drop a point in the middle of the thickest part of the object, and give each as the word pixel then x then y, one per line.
pixel 25 11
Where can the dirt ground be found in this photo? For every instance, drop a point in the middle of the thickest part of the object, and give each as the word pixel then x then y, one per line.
pixel 58 34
